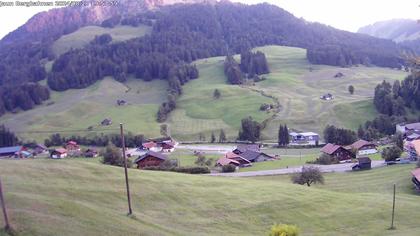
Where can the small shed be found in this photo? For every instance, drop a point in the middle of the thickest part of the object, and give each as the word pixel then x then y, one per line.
pixel 364 163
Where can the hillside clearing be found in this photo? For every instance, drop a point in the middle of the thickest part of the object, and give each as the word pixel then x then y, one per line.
pixel 83 197
pixel 84 35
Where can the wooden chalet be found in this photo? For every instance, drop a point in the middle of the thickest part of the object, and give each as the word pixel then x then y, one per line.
pixel 91 152
pixel 337 151
pixel 241 148
pixel 253 156
pixel 363 147
pixel 226 161
pixel 72 146
pixel 242 162
pixel 416 178
pixel 150 159
pixel 58 153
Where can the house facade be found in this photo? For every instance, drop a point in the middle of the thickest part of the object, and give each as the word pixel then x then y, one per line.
pixel 58 153
pixel 337 151
pixel 363 147
pixel 304 138
pixel 150 159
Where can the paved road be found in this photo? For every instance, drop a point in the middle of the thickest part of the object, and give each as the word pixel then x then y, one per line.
pixel 207 148
pixel 324 168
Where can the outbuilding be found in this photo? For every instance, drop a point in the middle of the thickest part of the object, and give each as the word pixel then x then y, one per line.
pixel 364 163
pixel 150 159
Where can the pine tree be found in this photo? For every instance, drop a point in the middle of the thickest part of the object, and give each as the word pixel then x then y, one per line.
pixel 222 136
pixel 213 138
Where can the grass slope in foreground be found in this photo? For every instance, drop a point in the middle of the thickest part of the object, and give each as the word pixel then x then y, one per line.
pixel 83 197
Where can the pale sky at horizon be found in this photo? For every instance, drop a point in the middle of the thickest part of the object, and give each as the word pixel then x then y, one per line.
pixel 347 15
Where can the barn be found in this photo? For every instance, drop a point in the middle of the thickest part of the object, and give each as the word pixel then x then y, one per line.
pixel 364 163
pixel 364 147
pixel 150 159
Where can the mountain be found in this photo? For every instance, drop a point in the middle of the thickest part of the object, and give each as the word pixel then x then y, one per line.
pixel 180 34
pixel 399 30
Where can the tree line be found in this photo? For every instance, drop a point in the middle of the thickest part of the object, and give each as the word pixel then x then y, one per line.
pixel 101 140
pixel 7 138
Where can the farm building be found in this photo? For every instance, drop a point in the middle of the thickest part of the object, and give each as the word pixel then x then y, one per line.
pixel 337 151
pixel 364 163
pixel 166 144
pixel 106 122
pixel 304 138
pixel 256 156
pixel 363 147
pixel 408 128
pixel 39 148
pixel 58 153
pixel 151 146
pixel 10 151
pixel 416 178
pixel 91 152
pixel 72 146
pixel 242 162
pixel 150 159
pixel 241 148
pixel 327 97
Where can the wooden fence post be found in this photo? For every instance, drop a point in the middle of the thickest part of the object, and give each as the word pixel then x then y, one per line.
pixel 3 206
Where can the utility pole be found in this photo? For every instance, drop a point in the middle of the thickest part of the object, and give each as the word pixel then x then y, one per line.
pixel 125 169
pixel 3 205
pixel 393 211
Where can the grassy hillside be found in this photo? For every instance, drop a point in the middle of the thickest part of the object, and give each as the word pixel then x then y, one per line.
pixel 84 35
pixel 197 110
pixel 83 197
pixel 296 83
pixel 80 108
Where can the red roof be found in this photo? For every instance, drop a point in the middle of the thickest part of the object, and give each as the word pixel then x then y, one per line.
pixel 71 143
pixel 226 161
pixel 61 150
pixel 416 173
pixel 330 148
pixel 234 156
pixel 149 145
pixel 416 145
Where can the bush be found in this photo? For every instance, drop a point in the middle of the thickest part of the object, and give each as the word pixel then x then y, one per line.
pixel 326 159
pixel 228 168
pixel 112 156
pixel 284 230
pixel 181 169
pixel 391 153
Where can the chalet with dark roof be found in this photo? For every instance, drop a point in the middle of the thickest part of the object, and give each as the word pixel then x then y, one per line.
pixel 150 159
pixel 337 151
pixel 253 156
pixel 241 148
pixel 363 147
pixel 364 163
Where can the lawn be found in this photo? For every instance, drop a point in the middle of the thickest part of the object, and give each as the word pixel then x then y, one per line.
pixel 285 162
pixel 80 197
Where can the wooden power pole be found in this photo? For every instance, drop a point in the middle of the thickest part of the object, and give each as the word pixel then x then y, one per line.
pixel 125 169
pixel 393 210
pixel 3 206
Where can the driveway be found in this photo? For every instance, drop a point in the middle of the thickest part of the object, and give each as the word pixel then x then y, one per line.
pixel 324 168
pixel 207 148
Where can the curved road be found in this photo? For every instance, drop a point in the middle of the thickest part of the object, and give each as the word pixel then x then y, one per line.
pixel 324 168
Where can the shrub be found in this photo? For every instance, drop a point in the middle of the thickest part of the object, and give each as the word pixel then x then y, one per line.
pixel 308 175
pixel 181 169
pixel 284 230
pixel 326 159
pixel 228 168
pixel 112 156
pixel 391 153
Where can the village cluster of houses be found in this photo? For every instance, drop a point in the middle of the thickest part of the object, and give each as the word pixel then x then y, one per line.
pixel 151 153
pixel 244 155
pixel 359 149
pixel 411 134
pixel 72 149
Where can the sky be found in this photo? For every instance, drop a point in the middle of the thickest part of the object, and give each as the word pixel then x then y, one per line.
pixel 342 14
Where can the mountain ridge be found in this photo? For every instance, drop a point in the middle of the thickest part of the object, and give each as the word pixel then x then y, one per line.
pixel 398 30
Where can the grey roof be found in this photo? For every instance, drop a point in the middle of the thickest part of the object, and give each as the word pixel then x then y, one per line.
pixel 251 155
pixel 6 150
pixel 153 154
pixel 364 160
pixel 244 147
pixel 413 126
